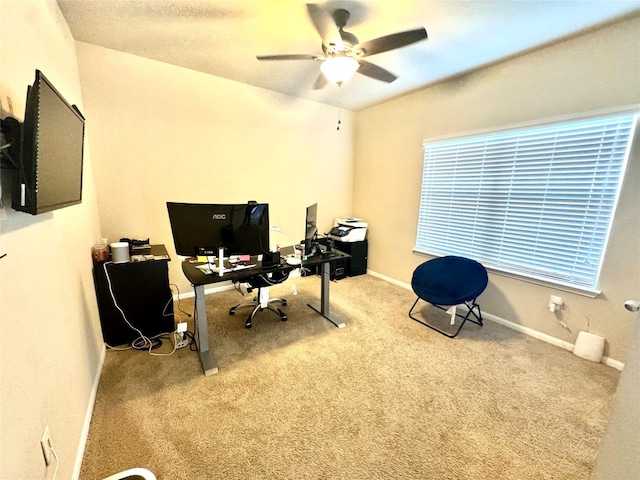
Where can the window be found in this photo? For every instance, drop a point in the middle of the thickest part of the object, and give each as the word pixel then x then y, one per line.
pixel 535 203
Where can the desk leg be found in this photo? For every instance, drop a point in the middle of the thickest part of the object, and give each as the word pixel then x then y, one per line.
pixel 324 296
pixel 202 340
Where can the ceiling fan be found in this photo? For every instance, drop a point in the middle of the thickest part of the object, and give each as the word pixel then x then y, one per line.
pixel 342 54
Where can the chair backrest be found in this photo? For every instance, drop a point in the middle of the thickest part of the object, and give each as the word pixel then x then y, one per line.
pixel 267 279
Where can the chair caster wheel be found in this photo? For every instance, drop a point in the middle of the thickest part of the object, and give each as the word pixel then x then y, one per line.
pixel 284 302
pixel 283 316
pixel 248 325
pixel 232 310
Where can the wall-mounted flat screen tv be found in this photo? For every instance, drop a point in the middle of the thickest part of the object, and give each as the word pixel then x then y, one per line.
pixel 50 168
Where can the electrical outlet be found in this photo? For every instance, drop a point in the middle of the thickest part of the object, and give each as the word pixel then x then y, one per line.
pixel 557 300
pixel 555 303
pixel 45 443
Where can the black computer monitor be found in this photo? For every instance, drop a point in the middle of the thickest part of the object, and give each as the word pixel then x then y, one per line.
pixel 311 228
pixel 201 229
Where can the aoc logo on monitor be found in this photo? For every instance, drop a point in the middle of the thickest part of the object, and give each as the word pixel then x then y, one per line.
pixel 218 216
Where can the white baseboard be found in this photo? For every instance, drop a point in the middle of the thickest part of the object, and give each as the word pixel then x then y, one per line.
pixel 617 364
pixel 87 416
pixel 519 328
pixel 547 338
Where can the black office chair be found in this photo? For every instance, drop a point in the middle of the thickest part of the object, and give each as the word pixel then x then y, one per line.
pixel 450 281
pixel 262 301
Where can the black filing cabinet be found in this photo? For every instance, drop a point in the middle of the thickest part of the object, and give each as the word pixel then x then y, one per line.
pixel 349 267
pixel 141 290
pixel 357 264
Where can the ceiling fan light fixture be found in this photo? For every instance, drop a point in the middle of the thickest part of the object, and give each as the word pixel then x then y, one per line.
pixel 339 69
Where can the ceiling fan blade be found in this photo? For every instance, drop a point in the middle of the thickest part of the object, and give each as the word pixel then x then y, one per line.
pixel 287 57
pixel 391 42
pixel 324 25
pixel 321 82
pixel 376 72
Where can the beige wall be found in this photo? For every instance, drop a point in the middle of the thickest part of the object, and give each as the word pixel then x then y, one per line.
pixel 162 133
pixel 50 341
pixel 619 453
pixel 599 70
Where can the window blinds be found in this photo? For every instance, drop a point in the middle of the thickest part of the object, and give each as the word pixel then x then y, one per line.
pixel 537 202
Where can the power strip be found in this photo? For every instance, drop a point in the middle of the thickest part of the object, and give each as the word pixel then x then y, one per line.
pixel 180 340
pixel 179 337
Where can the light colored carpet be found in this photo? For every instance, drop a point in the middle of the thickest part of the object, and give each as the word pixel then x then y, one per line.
pixel 383 398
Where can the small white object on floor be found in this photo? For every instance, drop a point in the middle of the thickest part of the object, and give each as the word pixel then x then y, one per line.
pixel 452 311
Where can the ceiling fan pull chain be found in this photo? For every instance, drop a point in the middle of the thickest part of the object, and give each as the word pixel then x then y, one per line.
pixel 339 105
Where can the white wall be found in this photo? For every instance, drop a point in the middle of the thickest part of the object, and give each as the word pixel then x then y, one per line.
pixel 163 133
pixel 50 341
pixel 598 70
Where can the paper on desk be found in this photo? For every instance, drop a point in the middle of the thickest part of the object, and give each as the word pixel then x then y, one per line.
pixel 205 268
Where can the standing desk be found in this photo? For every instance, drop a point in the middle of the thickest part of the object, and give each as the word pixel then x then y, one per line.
pixel 199 279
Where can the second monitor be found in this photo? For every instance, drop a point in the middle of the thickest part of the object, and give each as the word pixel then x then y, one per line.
pixel 311 245
pixel 311 229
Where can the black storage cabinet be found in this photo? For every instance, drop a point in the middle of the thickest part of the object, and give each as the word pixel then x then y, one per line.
pixel 357 264
pixel 142 291
pixel 351 267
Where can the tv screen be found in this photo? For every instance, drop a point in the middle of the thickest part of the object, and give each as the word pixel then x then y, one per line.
pixel 50 169
pixel 199 229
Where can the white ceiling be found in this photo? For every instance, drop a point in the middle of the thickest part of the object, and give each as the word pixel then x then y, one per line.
pixel 223 37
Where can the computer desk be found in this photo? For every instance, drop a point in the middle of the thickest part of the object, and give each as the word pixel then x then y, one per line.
pixel 199 279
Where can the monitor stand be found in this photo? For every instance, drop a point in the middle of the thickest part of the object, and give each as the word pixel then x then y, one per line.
pixel 320 250
pixel 219 268
pixel 316 249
